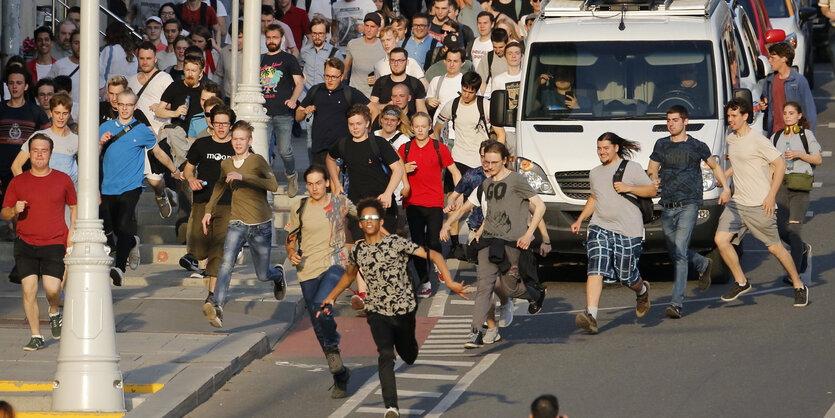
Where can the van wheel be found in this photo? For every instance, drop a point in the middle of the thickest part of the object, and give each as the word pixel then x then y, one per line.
pixel 719 273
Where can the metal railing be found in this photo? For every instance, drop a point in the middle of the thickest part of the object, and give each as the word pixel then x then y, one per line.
pixel 102 8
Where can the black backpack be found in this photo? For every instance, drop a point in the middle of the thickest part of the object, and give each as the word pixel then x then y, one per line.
pixel 489 67
pixel 435 143
pixel 481 119
pixel 802 139
pixel 372 142
pixel 346 90
pixel 643 203
pixel 204 11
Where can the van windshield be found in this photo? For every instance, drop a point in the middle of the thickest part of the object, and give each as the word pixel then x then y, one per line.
pixel 619 80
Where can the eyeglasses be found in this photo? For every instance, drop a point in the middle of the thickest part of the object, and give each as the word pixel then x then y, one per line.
pixel 417 25
pixel 332 77
pixel 318 33
pixel 400 61
pixel 370 218
pixel 219 124
pixel 125 104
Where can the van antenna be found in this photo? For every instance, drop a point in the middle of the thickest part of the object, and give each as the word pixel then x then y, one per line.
pixel 622 26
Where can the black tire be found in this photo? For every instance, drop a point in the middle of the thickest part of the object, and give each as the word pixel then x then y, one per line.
pixel 719 273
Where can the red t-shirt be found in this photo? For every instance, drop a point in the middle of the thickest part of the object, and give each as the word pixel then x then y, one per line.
pixel 298 22
pixel 191 18
pixel 426 181
pixel 778 99
pixel 42 223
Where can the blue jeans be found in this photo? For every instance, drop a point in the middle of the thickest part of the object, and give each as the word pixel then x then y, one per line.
pixel 259 238
pixel 282 127
pixel 678 226
pixel 314 292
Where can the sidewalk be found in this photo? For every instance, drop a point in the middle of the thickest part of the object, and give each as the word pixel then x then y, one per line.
pixel 172 359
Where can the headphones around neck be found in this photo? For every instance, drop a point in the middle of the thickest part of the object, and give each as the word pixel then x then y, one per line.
pixel 789 129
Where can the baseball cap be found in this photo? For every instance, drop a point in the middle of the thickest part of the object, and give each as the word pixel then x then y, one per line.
pixel 374 17
pixel 154 18
pixel 453 41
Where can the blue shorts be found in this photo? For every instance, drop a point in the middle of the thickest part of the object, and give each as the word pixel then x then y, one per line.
pixel 613 255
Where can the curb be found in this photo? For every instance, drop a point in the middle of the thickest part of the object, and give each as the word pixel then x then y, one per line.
pixel 207 374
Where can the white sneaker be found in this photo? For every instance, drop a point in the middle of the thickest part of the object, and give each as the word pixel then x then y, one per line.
pixel 506 313
pixel 425 290
pixel 491 336
pixel 392 412
pixel 133 256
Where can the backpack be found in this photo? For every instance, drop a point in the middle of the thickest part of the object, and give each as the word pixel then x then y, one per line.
pixel 345 89
pixel 374 148
pixel 298 231
pixel 802 139
pixel 643 203
pixel 204 11
pixel 482 121
pixel 489 67
pixel 435 143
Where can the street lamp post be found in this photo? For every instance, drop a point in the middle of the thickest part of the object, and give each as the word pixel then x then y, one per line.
pixel 249 99
pixel 88 376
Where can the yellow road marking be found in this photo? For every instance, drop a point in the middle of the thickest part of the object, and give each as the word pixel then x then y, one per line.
pixel 21 386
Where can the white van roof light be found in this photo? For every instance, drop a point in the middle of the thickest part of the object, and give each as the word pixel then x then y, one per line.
pixel 605 8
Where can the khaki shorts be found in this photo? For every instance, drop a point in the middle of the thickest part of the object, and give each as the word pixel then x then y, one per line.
pixel 738 219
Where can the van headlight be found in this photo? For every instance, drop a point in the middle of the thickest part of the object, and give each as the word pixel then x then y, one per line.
pixel 708 179
pixel 535 176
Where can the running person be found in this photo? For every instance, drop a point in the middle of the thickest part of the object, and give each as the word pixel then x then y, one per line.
pixel 251 216
pixel 390 304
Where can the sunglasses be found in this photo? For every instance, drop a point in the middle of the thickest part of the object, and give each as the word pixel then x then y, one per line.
pixel 370 218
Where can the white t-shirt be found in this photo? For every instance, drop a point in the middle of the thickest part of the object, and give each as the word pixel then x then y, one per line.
pixel 322 7
pixel 151 95
pixel 444 91
pixel 166 59
pixel 469 132
pixel 382 68
pixel 65 67
pixel 505 81
pixel 401 139
pixel 113 61
pixel 480 50
pixel 43 69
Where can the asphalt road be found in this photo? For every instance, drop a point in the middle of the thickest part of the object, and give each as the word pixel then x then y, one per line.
pixel 757 356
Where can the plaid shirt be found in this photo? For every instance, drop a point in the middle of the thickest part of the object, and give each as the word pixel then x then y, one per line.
pixel 469 183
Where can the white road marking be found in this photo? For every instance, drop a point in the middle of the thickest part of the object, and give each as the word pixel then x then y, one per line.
pixel 427 376
pixel 453 320
pixel 462 385
pixel 826 153
pixel 445 337
pixel 438 303
pixel 447 344
pixel 444 363
pixel 810 214
pixel 441 351
pixel 468 273
pixel 817 184
pixel 462 302
pixel 830 125
pixel 370 410
pixel 361 393
pixel 452 331
pixel 454 325
pixel 451 353
pixel 412 394
pixel 831 412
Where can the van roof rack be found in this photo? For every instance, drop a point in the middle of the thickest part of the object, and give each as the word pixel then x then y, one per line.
pixel 565 8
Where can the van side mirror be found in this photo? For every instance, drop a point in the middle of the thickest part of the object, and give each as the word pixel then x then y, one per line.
pixel 808 13
pixel 745 96
pixel 500 115
pixel 775 35
pixel 763 67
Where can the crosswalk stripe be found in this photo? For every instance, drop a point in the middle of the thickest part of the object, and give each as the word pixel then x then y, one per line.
pixel 453 320
pixel 461 324
pixel 412 394
pixel 462 385
pixel 441 345
pixel 427 376
pixel 370 410
pixel 441 351
pixel 361 393
pixel 462 330
pixel 462 302
pixel 445 363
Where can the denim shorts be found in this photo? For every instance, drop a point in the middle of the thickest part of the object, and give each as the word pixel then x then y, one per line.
pixel 613 255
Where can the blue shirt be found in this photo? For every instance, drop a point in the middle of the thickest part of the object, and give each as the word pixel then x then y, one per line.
pixel 313 63
pixel 197 124
pixel 418 50
pixel 124 162
pixel 681 171
pixel 468 183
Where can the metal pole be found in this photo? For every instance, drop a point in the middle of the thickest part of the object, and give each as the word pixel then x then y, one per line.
pixel 249 98
pixel 88 377
pixel 236 13
pixel 53 16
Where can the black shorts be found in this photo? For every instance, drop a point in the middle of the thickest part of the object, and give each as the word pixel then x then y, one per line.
pixel 449 185
pixel 39 260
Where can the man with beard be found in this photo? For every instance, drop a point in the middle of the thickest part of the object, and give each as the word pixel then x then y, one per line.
pixel 68 65
pixel 282 83
pixel 63 48
pixel 171 30
pixel 180 102
pixel 314 54
pixel 381 93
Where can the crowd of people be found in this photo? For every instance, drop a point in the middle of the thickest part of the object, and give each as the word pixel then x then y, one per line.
pixel 395 108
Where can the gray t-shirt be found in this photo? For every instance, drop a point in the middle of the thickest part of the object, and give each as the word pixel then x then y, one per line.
pixel 612 211
pixel 364 56
pixel 506 201
pixel 794 143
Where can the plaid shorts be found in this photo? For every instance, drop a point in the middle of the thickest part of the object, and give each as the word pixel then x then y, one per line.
pixel 613 255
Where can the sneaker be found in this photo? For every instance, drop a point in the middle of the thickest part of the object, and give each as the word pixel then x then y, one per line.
pixel 358 304
pixel 214 314
pixel 199 275
pixel 189 263
pixel 673 311
pixel 392 412
pixel 506 313
pixel 280 286
pixel 210 299
pixel 340 384
pixel 735 291
pixel 801 297
pixel 292 185
pixel 133 257
pixel 642 302
pixel 585 321
pixel 164 205
pixel 491 336
pixel 55 322
pixel 35 343
pixel 535 306
pixel 172 197
pixel 117 275
pixel 425 290
pixel 475 340
pixel 704 277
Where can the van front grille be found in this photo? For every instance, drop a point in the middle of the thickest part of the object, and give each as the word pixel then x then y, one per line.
pixel 574 184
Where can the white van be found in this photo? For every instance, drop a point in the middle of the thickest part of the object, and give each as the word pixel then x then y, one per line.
pixel 627 63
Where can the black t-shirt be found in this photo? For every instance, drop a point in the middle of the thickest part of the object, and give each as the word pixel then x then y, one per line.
pixel 17 124
pixel 176 75
pixel 176 94
pixel 107 113
pixel 277 82
pixel 383 85
pixel 510 9
pixel 329 122
pixel 206 155
pixel 365 173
